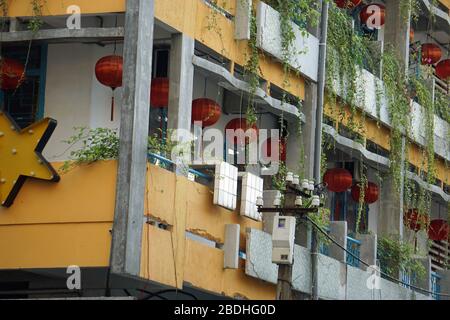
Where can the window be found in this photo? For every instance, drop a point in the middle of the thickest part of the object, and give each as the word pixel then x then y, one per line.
pixel 26 104
pixel 282 223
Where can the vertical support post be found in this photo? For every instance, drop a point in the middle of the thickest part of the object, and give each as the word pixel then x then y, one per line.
pixel 131 177
pixel 318 139
pixel 181 75
pixel 368 249
pixel 396 30
pixel 338 231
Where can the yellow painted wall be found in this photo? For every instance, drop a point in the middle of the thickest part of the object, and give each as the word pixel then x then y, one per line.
pixel 55 225
pixel 188 206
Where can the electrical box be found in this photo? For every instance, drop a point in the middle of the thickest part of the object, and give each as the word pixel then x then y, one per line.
pixel 283 236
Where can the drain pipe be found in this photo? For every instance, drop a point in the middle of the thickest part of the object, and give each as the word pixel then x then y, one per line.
pixel 318 139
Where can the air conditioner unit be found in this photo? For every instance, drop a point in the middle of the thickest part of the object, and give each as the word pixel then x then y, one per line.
pixel 283 236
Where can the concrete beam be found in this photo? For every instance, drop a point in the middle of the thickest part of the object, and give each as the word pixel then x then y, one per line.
pixel 63 34
pixel 131 175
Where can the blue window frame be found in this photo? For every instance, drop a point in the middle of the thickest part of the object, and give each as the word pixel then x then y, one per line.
pixel 26 104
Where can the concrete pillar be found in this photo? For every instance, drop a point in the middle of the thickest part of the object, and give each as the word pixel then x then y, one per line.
pixel 301 149
pixel 444 283
pixel 368 249
pixel 425 281
pixel 396 30
pixel 389 219
pixel 338 231
pixel 131 175
pixel 181 75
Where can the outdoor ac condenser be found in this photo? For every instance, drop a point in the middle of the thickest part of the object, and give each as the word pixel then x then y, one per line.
pixel 283 237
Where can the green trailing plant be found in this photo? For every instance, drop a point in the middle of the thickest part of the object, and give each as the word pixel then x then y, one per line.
pixel 348 53
pixel 36 21
pixel 398 103
pixel 362 184
pixel 252 70
pixel 396 256
pixel 91 145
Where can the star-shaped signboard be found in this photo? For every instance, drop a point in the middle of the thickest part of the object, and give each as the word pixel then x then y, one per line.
pixel 20 155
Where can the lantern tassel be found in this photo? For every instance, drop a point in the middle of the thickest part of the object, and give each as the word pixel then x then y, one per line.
pixel 112 108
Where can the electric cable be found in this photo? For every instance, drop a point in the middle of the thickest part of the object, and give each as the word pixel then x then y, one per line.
pixel 325 233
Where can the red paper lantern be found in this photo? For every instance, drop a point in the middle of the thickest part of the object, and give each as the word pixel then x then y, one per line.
pixel 373 15
pixel 12 74
pixel 108 71
pixel 347 4
pixel 338 179
pixel 415 220
pixel 443 69
pixel 438 230
pixel 206 110
pixel 267 147
pixel 371 193
pixel 240 137
pixel 159 96
pixel 431 53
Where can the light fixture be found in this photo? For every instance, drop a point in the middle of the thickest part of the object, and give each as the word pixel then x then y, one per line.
pixel 298 201
pixel 296 180
pixel 289 177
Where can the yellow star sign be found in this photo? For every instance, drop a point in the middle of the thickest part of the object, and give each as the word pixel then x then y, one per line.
pixel 20 155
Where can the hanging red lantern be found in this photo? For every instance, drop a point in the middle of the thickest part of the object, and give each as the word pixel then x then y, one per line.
pixel 12 74
pixel 240 137
pixel 431 53
pixel 443 69
pixel 438 230
pixel 347 4
pixel 267 149
pixel 415 220
pixel 373 15
pixel 159 96
pixel 108 71
pixel 338 179
pixel 205 110
pixel 371 193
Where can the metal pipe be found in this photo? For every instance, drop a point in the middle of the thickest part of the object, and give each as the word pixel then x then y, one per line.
pixel 318 139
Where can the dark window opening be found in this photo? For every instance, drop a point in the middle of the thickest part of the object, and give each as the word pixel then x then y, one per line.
pixel 26 103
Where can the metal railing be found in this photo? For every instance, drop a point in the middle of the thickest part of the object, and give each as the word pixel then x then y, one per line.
pixel 435 285
pixel 353 246
pixel 168 164
pixel 406 278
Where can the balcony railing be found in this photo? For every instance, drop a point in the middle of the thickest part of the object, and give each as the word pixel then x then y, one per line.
pixel 168 164
pixel 435 285
pixel 353 246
